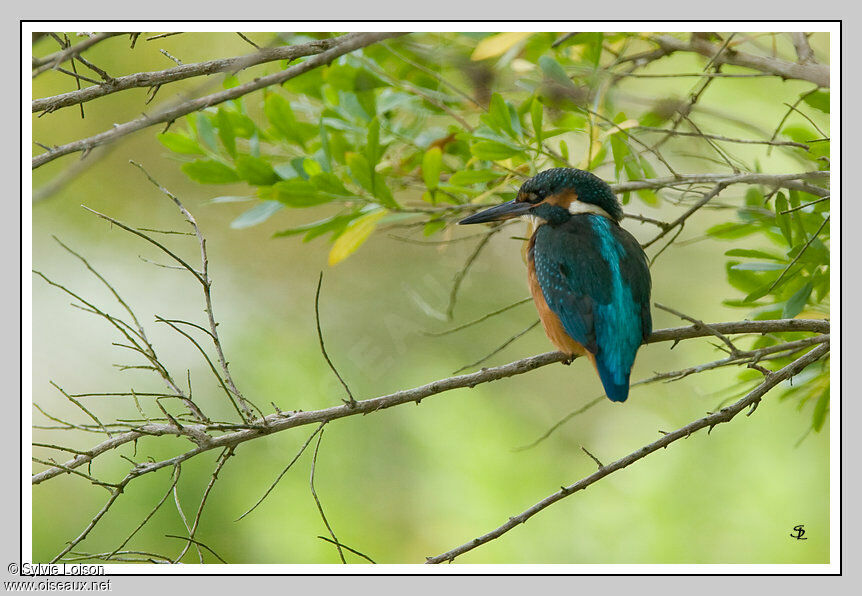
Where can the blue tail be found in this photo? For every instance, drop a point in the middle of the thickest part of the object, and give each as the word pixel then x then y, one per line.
pixel 614 390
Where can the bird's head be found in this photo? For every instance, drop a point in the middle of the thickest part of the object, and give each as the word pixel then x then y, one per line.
pixel 553 196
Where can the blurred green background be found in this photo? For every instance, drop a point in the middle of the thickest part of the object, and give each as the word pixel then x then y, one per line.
pixel 409 482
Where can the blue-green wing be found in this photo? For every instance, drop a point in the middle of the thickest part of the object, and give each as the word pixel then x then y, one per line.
pixel 595 278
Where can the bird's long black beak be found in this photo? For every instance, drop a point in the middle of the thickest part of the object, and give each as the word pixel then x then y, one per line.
pixel 508 210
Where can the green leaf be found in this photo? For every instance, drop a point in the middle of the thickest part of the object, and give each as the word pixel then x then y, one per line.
pixel 783 220
pixel 257 214
pixel 433 226
pixel 206 131
pixel 329 183
pixel 498 115
pixel 324 146
pixel 366 177
pixel 797 302
pixel 799 133
pixel 210 171
pixel 758 293
pixel 334 224
pixel 360 170
pixel 555 72
pixel 280 115
pixel 242 125
pixel 179 143
pixel 372 145
pixel 593 52
pixel 432 163
pixel 226 132
pixel 255 171
pixel 468 177
pixel 757 254
pixel 493 151
pixel 758 267
pixel 298 193
pixel 619 150
pixel 818 100
pixel 731 230
pixel 354 236
pixel 821 407
pixel 537 111
pixel 648 196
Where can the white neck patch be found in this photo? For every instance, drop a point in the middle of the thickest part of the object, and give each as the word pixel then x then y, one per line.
pixel 579 207
pixel 576 208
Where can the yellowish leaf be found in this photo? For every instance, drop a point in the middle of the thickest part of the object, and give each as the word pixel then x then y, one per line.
pixel 520 66
pixel 353 236
pixel 497 45
pixel 630 123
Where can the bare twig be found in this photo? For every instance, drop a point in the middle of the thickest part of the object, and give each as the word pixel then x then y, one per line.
pixel 350 401
pixel 815 73
pixel 171 113
pixel 222 460
pixel 479 320
pixel 462 273
pixel 280 421
pixel 283 472
pixel 499 348
pixel 317 500
pixel 186 71
pixel 724 415
pixel 50 61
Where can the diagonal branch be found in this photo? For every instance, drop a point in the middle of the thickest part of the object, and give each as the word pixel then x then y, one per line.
pixel 171 113
pixel 50 61
pixel 816 73
pixel 726 414
pixel 187 71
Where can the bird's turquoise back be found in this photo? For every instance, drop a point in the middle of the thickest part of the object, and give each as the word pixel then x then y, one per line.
pixel 594 277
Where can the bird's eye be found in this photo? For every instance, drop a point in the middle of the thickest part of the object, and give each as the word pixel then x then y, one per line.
pixel 533 197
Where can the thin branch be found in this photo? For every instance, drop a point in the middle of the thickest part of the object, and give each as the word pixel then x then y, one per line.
pixel 462 273
pixel 724 415
pixel 680 221
pixel 804 205
pixel 499 349
pixel 283 420
pixel 798 255
pixel 283 472
pixel 741 357
pixel 172 113
pixel 345 547
pixel 680 133
pixel 48 62
pixel 479 320
pixel 222 460
pixel 815 73
pixel 186 71
pixel 350 401
pixel 317 500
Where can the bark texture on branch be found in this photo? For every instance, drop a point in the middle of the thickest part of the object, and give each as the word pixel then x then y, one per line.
pixel 171 113
pixel 726 414
pixel 813 72
pixel 186 71
pixel 282 421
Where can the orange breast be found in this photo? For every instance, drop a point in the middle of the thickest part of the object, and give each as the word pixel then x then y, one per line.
pixel 550 321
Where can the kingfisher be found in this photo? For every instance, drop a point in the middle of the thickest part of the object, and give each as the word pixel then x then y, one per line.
pixel 588 276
